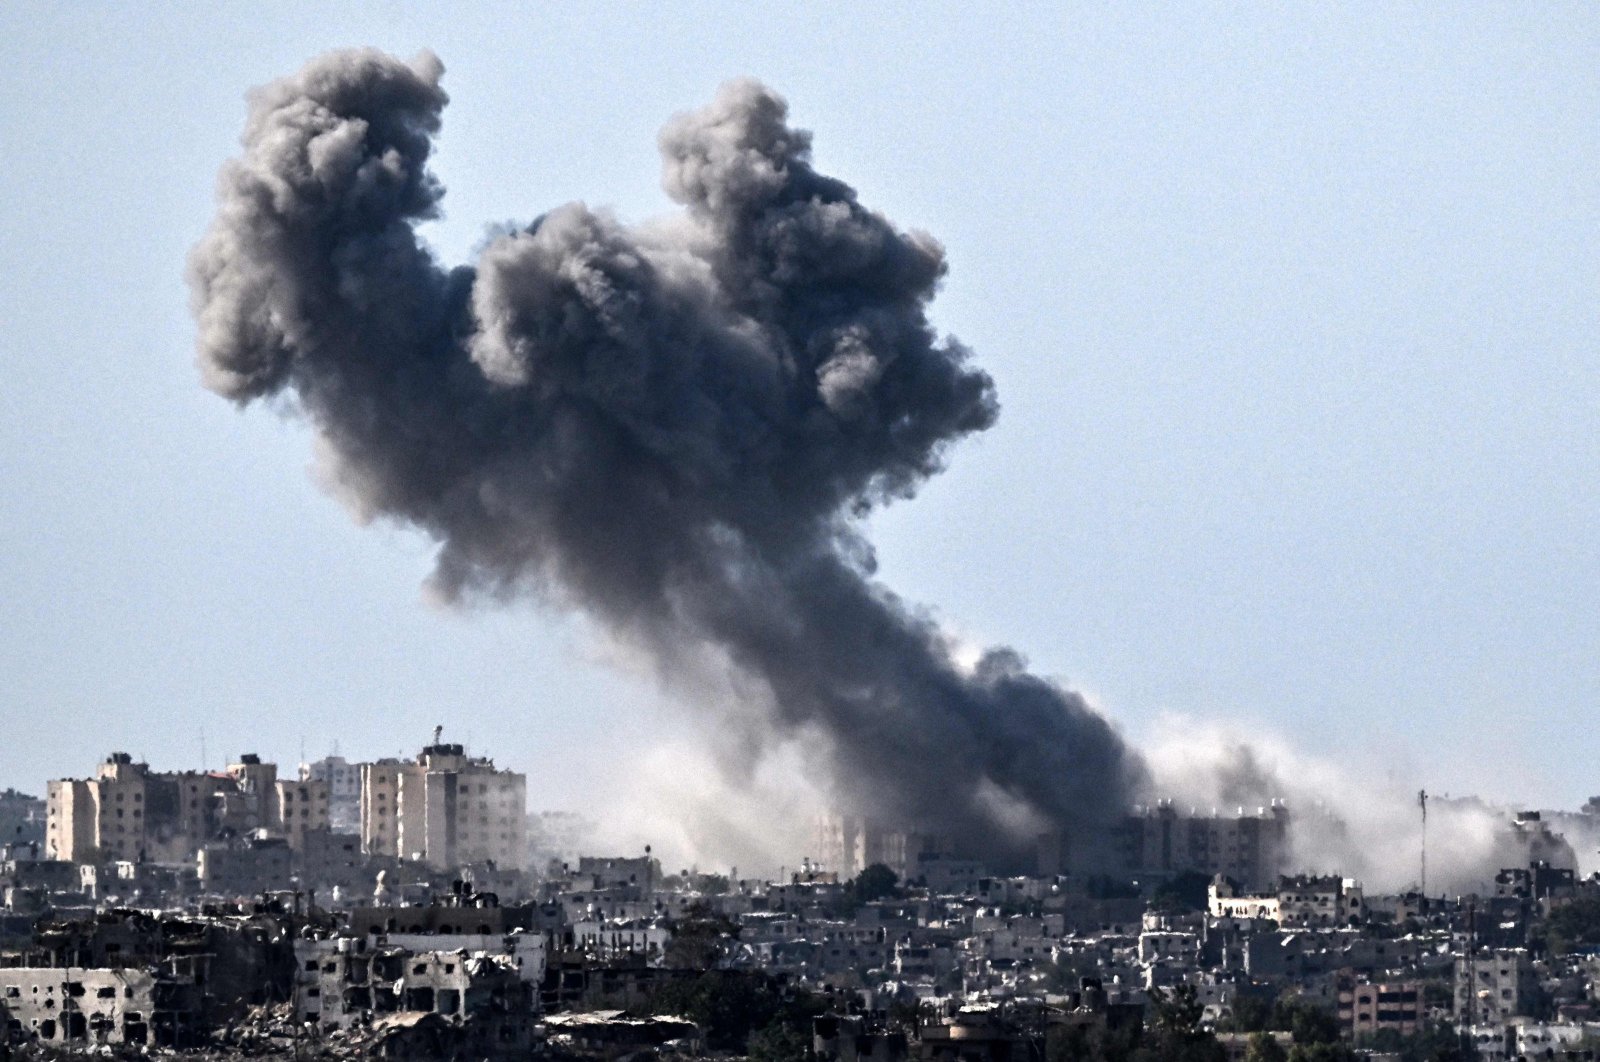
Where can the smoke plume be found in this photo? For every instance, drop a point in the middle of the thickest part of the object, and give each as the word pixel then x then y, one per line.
pixel 1362 823
pixel 675 428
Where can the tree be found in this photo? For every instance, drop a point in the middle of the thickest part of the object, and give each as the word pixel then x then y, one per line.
pixel 1175 1034
pixel 1069 970
pixel 1189 891
pixel 779 1041
pixel 1573 925
pixel 733 1007
pixel 873 883
pixel 700 939
pixel 1250 1014
pixel 1264 1047
pixel 1309 1023
pixel 1103 887
pixel 1091 1043
pixel 1327 1051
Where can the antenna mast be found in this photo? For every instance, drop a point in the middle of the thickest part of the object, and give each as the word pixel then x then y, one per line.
pixel 1422 802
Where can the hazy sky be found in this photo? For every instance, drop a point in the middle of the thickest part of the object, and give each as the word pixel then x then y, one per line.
pixel 1293 312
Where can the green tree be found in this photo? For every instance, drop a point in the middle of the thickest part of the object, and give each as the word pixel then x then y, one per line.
pixel 1189 891
pixel 1435 1043
pixel 1325 1051
pixel 1103 887
pixel 780 1041
pixel 1174 1033
pixel 1573 925
pixel 700 939
pixel 1250 1014
pixel 873 883
pixel 1091 1043
pixel 1309 1023
pixel 732 1006
pixel 1264 1047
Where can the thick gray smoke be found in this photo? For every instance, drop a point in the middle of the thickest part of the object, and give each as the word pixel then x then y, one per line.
pixel 674 428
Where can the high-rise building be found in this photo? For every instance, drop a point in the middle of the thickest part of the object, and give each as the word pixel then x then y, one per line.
pixel 99 818
pixel 445 809
pixel 343 780
pixel 848 844
pixel 129 812
pixel 300 807
pixel 1493 986
pixel 1249 846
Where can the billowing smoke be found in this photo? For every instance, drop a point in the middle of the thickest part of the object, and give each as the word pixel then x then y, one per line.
pixel 675 428
pixel 1366 825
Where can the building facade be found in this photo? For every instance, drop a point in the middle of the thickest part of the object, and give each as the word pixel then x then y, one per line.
pixel 1366 1008
pixel 343 780
pixel 1157 843
pixel 445 809
pixel 127 812
pixel 1494 986
pixel 300 807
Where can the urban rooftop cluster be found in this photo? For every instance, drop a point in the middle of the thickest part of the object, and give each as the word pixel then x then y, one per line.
pixel 413 908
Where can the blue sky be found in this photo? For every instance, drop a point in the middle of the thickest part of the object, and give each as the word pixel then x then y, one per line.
pixel 1292 310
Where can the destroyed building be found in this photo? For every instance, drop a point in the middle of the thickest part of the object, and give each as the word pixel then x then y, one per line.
pixel 66 1005
pixel 129 977
pixel 22 820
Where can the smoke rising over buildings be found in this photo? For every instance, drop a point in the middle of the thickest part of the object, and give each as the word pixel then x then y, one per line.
pixel 674 428
pixel 1363 823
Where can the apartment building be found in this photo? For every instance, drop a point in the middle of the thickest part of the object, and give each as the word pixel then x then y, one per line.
pixel 445 809
pixel 127 812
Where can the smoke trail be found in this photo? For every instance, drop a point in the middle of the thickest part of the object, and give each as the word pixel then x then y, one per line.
pixel 673 428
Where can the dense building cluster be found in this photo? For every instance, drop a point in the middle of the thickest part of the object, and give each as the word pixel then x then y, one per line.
pixel 414 909
pixel 443 809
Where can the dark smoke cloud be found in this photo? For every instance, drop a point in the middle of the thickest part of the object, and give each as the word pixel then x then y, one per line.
pixel 674 427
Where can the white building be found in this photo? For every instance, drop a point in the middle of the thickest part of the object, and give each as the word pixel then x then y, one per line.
pixel 1308 900
pixel 1226 901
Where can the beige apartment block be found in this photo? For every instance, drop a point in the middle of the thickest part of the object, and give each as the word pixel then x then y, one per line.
pixel 446 809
